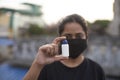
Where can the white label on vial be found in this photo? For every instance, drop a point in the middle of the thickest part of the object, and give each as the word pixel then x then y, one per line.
pixel 65 50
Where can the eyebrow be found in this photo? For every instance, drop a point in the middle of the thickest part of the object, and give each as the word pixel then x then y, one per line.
pixel 79 33
pixel 66 34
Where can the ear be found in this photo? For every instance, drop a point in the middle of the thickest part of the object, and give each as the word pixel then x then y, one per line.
pixel 87 37
pixel 87 34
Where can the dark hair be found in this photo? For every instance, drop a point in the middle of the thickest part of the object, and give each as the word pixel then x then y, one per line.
pixel 72 18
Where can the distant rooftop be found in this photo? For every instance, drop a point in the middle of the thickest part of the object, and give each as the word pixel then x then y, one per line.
pixel 24 8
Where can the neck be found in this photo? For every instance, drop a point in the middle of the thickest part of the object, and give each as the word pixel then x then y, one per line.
pixel 73 62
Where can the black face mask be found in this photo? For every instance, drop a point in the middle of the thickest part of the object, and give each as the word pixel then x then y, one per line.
pixel 76 47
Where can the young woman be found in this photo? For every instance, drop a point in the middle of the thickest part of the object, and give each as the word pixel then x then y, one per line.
pixel 49 64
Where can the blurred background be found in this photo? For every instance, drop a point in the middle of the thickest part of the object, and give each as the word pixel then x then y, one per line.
pixel 25 25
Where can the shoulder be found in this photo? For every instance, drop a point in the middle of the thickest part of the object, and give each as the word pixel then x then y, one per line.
pixel 93 64
pixel 95 67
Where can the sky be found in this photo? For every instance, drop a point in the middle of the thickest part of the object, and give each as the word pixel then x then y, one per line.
pixel 54 10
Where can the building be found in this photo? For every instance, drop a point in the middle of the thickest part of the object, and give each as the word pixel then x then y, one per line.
pixel 13 18
pixel 114 28
pixel 4 24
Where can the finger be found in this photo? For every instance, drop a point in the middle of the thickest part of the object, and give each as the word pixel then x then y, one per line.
pixel 48 50
pixel 43 48
pixel 56 50
pixel 51 50
pixel 58 39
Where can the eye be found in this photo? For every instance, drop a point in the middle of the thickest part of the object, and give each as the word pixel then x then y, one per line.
pixel 68 36
pixel 80 35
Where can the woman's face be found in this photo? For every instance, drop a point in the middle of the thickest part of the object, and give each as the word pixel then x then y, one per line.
pixel 73 30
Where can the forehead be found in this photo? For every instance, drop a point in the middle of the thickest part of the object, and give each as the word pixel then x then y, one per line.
pixel 73 27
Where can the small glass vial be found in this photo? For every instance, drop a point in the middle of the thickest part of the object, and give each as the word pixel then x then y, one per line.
pixel 65 48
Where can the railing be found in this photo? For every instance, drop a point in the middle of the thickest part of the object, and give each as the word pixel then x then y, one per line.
pixel 102 50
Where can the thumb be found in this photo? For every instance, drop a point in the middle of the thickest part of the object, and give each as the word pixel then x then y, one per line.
pixel 59 57
pixel 56 58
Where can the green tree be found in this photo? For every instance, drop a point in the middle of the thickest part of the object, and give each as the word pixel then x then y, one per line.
pixel 102 23
pixel 35 29
pixel 100 26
